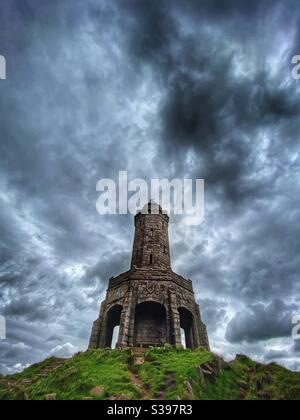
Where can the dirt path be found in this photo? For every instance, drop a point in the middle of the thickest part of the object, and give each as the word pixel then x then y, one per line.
pixel 140 386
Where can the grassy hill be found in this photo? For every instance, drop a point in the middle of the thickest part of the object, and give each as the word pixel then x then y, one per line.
pixel 159 374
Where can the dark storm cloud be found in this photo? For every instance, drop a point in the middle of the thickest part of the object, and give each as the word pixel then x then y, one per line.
pixel 55 339
pixel 207 106
pixel 297 346
pixel 213 313
pixel 275 355
pixel 262 322
pixel 34 309
pixel 161 88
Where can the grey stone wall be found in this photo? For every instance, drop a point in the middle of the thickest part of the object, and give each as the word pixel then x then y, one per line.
pixel 151 241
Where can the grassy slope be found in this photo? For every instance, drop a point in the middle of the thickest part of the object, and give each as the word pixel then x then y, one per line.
pixel 74 378
pixel 164 375
pixel 166 371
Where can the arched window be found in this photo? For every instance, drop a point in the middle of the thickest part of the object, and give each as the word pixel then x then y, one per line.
pixel 115 336
pixel 187 328
pixel 113 319
pixel 183 340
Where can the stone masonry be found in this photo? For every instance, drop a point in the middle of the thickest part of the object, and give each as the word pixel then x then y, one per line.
pixel 151 305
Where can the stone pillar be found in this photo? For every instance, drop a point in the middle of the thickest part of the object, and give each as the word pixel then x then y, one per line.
pixel 195 334
pixel 196 328
pixel 202 331
pixel 98 330
pixel 175 321
pixel 126 316
pixel 169 324
pixel 131 325
pixel 93 344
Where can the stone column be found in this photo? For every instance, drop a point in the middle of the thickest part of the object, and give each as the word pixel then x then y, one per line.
pixel 175 321
pixel 195 334
pixel 201 331
pixel 93 344
pixel 169 324
pixel 99 330
pixel 126 315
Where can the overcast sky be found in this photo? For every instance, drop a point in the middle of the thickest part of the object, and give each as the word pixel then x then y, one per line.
pixel 173 88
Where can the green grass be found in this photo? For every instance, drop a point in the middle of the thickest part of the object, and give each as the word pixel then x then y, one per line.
pixel 166 370
pixel 75 378
pixel 166 374
pixel 248 380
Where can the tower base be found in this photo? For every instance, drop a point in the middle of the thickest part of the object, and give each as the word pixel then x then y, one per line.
pixel 152 307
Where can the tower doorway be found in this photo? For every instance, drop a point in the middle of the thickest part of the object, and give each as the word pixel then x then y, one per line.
pixel 187 328
pixel 113 319
pixel 150 325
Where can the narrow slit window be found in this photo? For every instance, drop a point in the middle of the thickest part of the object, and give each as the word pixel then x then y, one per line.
pixel 151 259
pixel 151 233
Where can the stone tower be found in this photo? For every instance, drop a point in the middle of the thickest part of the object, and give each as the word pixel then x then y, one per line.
pixel 150 304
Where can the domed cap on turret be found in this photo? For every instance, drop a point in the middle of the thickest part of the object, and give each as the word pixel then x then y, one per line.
pixel 152 208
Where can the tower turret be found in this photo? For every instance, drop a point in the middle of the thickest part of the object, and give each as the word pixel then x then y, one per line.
pixel 151 240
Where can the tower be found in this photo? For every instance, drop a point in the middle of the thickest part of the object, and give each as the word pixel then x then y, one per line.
pixel 151 305
pixel 151 239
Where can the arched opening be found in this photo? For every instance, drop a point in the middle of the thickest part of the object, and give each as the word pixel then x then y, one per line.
pixel 150 325
pixel 113 319
pixel 115 337
pixel 182 335
pixel 187 327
